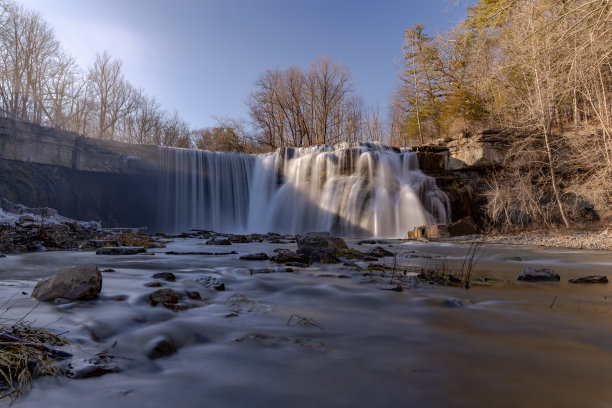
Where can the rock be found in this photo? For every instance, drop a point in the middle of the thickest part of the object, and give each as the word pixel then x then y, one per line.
pixel 165 295
pixel 120 251
pixel 169 276
pixel 297 264
pixel 590 279
pixel 255 257
pixel 319 247
pixel 192 294
pixel 210 282
pixel 464 226
pixel 367 242
pixel 160 347
pixel 379 252
pixel 238 239
pixel 538 275
pixel 269 270
pixel 285 255
pixel 429 232
pixel 109 270
pixel 218 241
pixel 153 284
pixel 74 283
pixel 2 256
pixel 92 367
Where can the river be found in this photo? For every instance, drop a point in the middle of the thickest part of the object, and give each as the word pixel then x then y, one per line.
pixel 320 336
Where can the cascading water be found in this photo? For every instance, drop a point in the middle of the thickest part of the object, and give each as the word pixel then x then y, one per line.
pixel 365 190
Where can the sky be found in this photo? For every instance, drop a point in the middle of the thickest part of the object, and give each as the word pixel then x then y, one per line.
pixel 203 57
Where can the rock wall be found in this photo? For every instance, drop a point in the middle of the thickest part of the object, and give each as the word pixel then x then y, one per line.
pixel 84 179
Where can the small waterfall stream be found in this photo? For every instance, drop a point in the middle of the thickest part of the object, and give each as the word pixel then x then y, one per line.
pixel 349 190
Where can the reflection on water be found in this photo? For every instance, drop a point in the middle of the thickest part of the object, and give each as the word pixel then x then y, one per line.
pixel 502 345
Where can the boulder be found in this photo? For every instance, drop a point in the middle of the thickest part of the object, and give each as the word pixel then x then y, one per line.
pixel 379 252
pixel 169 276
pixel 429 231
pixel 255 257
pixel 160 347
pixel 74 283
pixel 218 241
pixel 464 226
pixel 210 282
pixel 120 250
pixel 538 275
pixel 590 279
pixel 164 296
pixel 319 247
pixel 285 255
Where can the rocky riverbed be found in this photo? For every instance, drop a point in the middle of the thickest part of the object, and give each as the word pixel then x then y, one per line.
pixel 320 333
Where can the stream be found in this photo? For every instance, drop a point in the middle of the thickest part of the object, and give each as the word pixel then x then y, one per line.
pixel 321 336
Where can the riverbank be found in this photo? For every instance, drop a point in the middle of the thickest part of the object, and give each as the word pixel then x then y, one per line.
pixel 591 240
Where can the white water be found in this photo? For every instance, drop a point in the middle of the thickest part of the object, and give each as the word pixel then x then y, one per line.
pixel 365 190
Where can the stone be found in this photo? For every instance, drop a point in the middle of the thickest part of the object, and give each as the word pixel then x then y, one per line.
pixel 238 239
pixel 538 275
pixel 160 347
pixel 218 241
pixel 75 283
pixel 286 255
pixel 590 279
pixel 319 247
pixel 464 226
pixel 379 252
pixel 165 295
pixel 255 257
pixel 153 284
pixel 192 294
pixel 210 282
pixel 429 231
pixel 169 276
pixel 92 367
pixel 120 251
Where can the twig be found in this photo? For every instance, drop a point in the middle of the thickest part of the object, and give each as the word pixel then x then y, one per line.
pixel 553 302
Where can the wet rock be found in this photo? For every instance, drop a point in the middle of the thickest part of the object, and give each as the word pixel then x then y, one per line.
pixel 590 279
pixel 269 270
pixel 218 241
pixel 285 255
pixel 108 270
pixel 176 307
pixel 319 247
pixel 99 243
pixel 210 282
pixel 120 251
pixel 238 239
pixel 192 294
pixel 201 253
pixel 297 264
pixel 255 257
pixel 2 256
pixel 367 242
pixel 161 346
pixel 169 276
pixel 538 275
pixel 92 367
pixel 165 295
pixel 74 283
pixel 153 284
pixel 379 252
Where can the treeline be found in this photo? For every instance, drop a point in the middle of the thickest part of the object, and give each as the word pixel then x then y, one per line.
pixel 41 83
pixel 541 70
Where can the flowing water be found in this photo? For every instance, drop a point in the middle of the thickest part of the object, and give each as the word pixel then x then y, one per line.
pixel 365 190
pixel 506 344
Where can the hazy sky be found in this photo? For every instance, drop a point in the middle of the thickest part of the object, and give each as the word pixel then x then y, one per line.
pixel 202 58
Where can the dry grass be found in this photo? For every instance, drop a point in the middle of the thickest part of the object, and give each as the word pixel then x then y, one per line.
pixel 25 353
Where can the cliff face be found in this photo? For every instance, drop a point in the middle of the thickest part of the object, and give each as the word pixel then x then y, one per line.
pixel 85 179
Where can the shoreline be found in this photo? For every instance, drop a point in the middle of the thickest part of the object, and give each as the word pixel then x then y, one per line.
pixel 588 240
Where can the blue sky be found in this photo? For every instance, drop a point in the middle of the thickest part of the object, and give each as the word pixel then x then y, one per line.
pixel 202 58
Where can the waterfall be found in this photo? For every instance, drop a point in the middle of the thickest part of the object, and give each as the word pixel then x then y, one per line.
pixel 349 190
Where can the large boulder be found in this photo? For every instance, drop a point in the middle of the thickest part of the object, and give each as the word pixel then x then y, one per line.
pixel 464 226
pixel 538 275
pixel 73 282
pixel 429 231
pixel 319 247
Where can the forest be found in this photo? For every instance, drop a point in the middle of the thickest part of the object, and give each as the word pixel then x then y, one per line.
pixel 539 70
